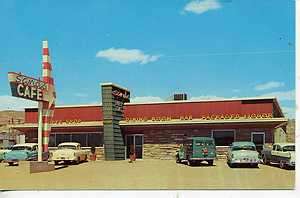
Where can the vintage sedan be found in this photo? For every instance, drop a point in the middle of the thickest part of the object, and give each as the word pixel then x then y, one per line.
pixel 69 152
pixel 281 153
pixel 2 153
pixel 21 152
pixel 243 153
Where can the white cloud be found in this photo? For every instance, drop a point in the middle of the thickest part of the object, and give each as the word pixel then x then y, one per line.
pixel 141 99
pixel 281 95
pixel 199 7
pixel 268 85
pixel 289 112
pixel 126 56
pixel 13 103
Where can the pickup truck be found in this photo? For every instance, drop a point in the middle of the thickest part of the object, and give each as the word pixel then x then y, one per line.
pixel 68 152
pixel 282 153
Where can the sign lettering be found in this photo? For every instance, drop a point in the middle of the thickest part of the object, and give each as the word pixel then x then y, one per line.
pixel 27 87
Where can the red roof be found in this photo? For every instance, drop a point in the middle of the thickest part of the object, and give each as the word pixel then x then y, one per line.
pixel 172 109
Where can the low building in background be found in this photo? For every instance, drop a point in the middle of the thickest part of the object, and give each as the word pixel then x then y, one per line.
pixel 155 130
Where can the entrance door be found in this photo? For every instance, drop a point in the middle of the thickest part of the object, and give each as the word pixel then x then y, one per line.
pixel 134 143
pixel 258 138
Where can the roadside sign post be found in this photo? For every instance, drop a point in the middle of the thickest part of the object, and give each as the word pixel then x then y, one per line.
pixel 41 91
pixel 40 129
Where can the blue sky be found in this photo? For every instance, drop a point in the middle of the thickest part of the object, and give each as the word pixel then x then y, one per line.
pixel 208 49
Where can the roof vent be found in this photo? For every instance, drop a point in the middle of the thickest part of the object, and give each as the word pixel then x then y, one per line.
pixel 180 96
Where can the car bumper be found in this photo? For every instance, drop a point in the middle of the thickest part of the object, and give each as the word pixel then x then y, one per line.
pixel 242 161
pixel 11 160
pixel 291 164
pixel 201 159
pixel 63 159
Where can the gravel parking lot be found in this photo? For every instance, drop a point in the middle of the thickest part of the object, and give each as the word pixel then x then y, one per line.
pixel 147 174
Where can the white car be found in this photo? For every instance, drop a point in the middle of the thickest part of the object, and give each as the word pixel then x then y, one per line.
pixel 69 152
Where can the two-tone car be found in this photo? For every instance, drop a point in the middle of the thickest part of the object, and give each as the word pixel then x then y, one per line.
pixel 3 151
pixel 21 152
pixel 197 149
pixel 280 153
pixel 242 153
pixel 69 152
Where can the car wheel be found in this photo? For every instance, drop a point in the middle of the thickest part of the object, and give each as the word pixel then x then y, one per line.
pixel 189 163
pixel 85 158
pixel 177 159
pixel 210 162
pixel 231 165
pixel 282 164
pixel 265 160
pixel 10 163
pixel 56 162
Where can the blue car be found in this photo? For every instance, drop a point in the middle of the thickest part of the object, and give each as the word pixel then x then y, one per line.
pixel 21 152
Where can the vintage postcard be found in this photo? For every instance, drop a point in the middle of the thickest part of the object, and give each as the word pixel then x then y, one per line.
pixel 155 95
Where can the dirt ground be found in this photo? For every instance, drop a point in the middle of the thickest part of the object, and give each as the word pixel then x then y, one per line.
pixel 146 174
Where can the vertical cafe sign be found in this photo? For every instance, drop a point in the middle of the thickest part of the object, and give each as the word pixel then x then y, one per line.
pixel 113 99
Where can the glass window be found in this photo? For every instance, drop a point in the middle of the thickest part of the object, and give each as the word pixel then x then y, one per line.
pixel 80 138
pixel 258 139
pixel 60 138
pixel 223 138
pixel 95 139
pixel 138 140
pixel 288 148
pixel 52 140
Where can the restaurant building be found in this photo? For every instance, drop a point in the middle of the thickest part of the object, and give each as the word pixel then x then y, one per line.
pixel 156 129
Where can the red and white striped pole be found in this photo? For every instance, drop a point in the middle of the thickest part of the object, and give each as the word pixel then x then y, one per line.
pixel 46 108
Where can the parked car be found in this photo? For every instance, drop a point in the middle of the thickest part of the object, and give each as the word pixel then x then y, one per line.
pixel 243 153
pixel 282 153
pixel 19 152
pixel 2 153
pixel 197 149
pixel 69 152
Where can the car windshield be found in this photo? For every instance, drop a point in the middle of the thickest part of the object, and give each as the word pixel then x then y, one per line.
pixel 17 148
pixel 289 148
pixel 66 147
pixel 246 147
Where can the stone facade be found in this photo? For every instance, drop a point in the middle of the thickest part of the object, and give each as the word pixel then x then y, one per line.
pixel 100 153
pixel 160 151
pixel 290 131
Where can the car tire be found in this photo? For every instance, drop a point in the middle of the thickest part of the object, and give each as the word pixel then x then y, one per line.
pixel 210 162
pixel 10 163
pixel 177 159
pixel 56 162
pixel 282 164
pixel 265 160
pixel 190 163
